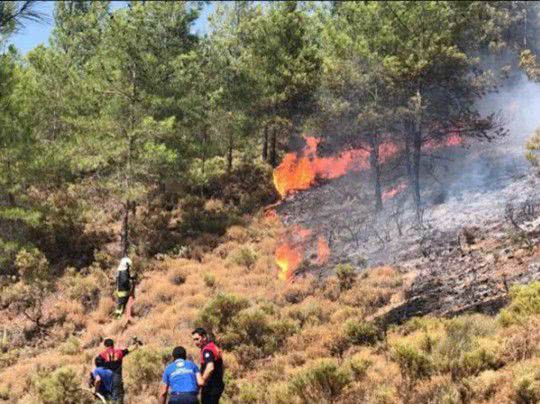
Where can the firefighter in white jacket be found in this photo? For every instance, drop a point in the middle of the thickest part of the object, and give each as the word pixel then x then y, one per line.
pixel 124 284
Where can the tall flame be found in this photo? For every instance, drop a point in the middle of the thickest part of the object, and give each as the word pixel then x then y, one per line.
pixel 289 254
pixel 299 171
pixel 288 258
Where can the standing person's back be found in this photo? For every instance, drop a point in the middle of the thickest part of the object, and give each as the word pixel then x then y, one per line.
pixel 113 360
pixel 180 380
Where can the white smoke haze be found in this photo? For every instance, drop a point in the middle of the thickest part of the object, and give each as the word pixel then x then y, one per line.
pixel 489 165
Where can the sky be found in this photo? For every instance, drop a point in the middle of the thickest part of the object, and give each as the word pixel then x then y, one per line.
pixel 35 33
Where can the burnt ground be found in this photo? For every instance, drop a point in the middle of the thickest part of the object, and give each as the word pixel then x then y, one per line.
pixel 478 235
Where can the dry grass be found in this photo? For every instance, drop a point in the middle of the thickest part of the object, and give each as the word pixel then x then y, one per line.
pixel 174 291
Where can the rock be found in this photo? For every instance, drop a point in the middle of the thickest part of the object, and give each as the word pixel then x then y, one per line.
pixel 534 266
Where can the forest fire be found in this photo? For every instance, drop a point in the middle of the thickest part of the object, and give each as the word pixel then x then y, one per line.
pixel 288 259
pixel 290 254
pixel 299 171
pixel 389 194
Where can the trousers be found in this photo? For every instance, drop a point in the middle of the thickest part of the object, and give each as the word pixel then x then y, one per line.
pixel 211 396
pixel 183 398
pixel 117 389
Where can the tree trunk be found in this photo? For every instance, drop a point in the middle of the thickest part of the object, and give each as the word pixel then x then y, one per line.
pixel 376 171
pixel 125 230
pixel 10 183
pixel 273 147
pixel 265 143
pixel 414 136
pixel 230 154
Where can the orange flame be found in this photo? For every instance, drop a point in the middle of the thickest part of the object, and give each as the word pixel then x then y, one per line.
pixel 389 194
pixel 323 250
pixel 288 258
pixel 453 140
pixel 299 171
pixel 290 254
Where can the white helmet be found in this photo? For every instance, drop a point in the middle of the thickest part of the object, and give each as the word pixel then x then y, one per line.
pixel 125 263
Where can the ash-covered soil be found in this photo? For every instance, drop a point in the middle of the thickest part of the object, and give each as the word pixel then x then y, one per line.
pixel 478 234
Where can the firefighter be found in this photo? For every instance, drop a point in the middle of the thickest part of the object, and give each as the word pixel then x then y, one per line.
pixel 211 367
pixel 124 285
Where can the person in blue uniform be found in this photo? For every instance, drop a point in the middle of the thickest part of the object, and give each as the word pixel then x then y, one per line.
pixel 181 380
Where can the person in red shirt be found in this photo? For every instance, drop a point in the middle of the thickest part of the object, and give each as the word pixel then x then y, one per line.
pixel 113 360
pixel 211 367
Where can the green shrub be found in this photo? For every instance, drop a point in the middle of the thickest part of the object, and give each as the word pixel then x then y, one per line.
pixel 279 393
pixel 527 389
pixel 475 361
pixel 484 386
pixel 255 327
pixel 361 332
pixel 32 266
pixel 250 393
pixel 8 358
pixel 60 387
pixel 346 276
pixel 197 220
pixel 244 257
pixel 4 392
pixel 525 301
pixel 218 314
pixel 413 363
pixel 309 312
pixel 143 367
pixel 359 366
pixel 209 280
pixel 463 351
pixel 71 346
pixel 84 289
pixel 320 382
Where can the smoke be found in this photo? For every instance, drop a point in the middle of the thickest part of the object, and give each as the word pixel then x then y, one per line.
pixel 519 105
pixel 493 165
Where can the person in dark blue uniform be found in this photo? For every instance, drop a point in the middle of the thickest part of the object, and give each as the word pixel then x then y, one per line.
pixel 181 380
pixel 102 379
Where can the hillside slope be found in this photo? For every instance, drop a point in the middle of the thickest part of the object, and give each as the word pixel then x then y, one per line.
pixel 311 339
